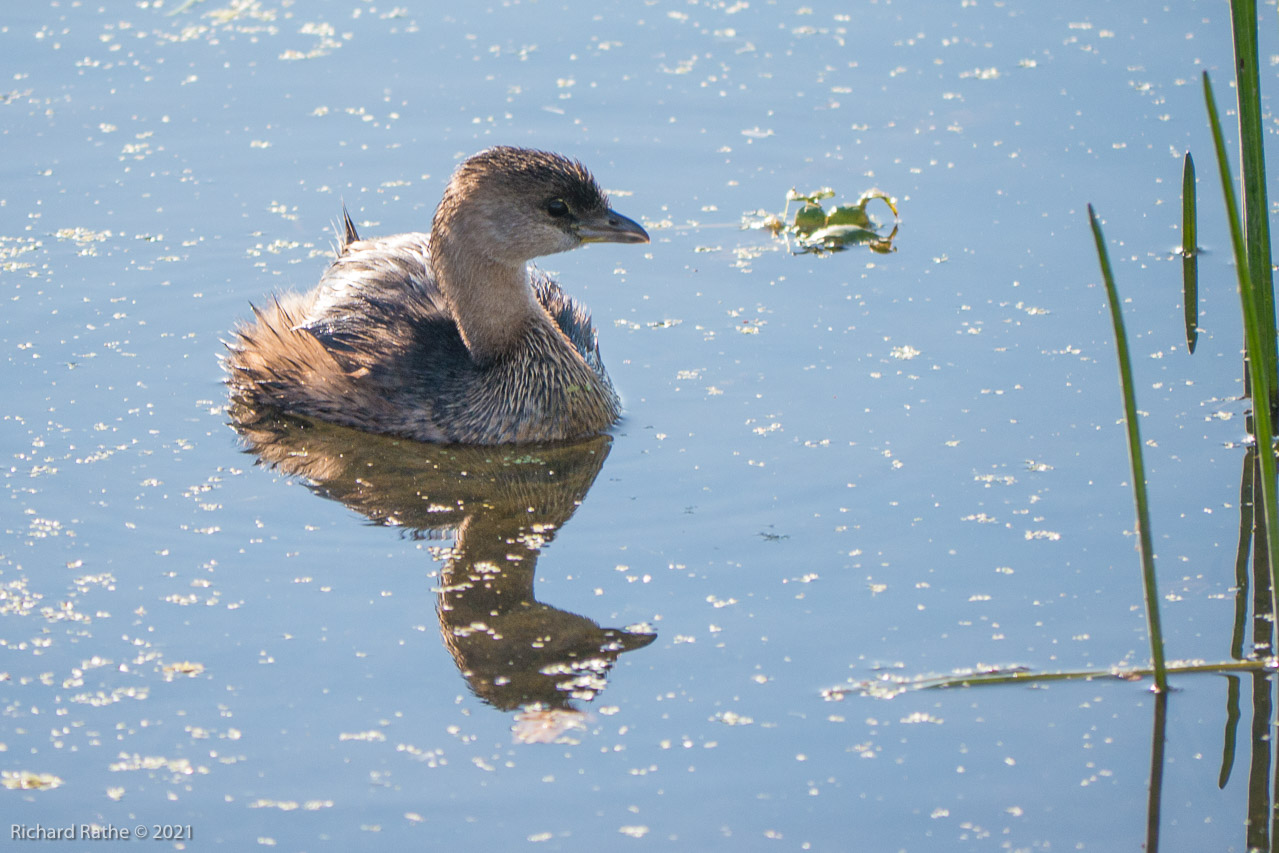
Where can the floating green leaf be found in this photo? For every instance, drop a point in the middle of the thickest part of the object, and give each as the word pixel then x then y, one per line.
pixel 846 234
pixel 843 226
pixel 870 195
pixel 849 214
pixel 834 238
pixel 809 218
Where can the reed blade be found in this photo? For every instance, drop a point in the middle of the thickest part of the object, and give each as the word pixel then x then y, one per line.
pixel 1263 434
pixel 1140 497
pixel 1243 19
pixel 1189 254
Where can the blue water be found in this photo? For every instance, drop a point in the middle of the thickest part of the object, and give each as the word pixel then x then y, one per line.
pixel 830 467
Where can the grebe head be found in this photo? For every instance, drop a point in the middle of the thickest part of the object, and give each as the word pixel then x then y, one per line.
pixel 516 204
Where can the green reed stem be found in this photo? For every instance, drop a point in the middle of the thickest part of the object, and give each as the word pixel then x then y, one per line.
pixel 1264 435
pixel 1189 253
pixel 1145 546
pixel 1256 219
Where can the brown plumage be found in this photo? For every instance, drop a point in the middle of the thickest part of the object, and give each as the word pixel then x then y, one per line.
pixel 449 336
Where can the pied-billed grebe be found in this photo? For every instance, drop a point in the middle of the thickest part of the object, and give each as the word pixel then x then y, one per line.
pixel 449 336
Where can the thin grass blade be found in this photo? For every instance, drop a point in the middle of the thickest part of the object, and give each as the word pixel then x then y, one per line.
pixel 1263 432
pixel 1135 457
pixel 1189 254
pixel 1243 19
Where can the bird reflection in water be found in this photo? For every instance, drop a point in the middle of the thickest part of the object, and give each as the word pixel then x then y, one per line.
pixel 501 505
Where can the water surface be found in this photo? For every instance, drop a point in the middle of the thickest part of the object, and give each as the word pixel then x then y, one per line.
pixel 830 467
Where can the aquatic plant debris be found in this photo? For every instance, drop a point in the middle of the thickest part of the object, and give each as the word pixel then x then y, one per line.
pixel 26 780
pixel 818 230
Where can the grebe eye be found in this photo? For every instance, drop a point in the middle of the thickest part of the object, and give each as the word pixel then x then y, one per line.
pixel 557 208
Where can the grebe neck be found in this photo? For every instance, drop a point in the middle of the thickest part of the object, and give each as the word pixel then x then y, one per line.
pixel 491 300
